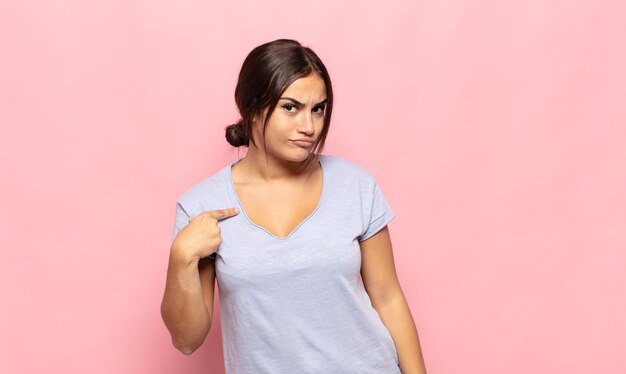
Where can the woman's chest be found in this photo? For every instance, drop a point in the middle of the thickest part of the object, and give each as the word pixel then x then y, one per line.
pixel 325 246
pixel 281 208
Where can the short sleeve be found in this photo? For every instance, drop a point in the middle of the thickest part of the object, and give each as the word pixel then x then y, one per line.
pixel 376 212
pixel 181 220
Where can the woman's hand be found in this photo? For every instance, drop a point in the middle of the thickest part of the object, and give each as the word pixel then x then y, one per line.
pixel 187 306
pixel 201 237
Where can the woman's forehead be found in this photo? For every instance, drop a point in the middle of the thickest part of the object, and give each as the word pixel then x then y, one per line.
pixel 311 87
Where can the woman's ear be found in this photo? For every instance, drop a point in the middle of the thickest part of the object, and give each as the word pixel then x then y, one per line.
pixel 259 118
pixel 258 121
pixel 257 129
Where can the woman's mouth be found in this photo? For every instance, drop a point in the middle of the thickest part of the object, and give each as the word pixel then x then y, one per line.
pixel 303 143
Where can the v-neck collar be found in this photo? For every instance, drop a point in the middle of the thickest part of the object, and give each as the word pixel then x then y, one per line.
pixel 233 192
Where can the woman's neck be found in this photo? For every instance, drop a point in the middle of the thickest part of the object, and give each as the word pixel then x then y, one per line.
pixel 256 167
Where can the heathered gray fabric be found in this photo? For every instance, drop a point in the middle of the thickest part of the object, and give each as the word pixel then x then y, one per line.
pixel 297 304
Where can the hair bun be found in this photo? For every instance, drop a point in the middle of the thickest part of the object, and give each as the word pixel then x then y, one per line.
pixel 235 134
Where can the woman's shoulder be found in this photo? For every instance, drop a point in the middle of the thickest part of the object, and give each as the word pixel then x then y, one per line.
pixel 213 187
pixel 345 167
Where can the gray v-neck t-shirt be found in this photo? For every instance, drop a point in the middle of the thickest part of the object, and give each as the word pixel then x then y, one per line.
pixel 297 304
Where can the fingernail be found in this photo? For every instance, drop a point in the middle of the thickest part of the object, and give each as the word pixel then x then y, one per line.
pixel 236 210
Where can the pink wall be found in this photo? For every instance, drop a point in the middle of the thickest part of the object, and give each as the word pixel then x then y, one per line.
pixel 496 129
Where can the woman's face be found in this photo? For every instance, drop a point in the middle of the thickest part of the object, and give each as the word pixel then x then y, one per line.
pixel 297 121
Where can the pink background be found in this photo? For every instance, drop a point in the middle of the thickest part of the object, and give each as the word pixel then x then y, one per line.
pixel 496 129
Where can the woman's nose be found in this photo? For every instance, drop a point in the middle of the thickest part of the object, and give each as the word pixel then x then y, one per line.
pixel 306 125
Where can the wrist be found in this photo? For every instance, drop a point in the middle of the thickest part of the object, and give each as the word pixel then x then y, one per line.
pixel 181 258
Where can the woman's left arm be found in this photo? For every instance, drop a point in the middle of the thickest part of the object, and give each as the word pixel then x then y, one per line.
pixel 381 283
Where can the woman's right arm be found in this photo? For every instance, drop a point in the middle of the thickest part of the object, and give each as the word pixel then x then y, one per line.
pixel 187 306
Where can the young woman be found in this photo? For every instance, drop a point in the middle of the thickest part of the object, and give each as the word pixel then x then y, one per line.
pixel 297 241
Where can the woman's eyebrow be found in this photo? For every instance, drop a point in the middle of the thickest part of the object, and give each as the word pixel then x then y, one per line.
pixel 301 104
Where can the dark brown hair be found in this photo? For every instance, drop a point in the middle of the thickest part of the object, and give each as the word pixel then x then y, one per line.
pixel 265 74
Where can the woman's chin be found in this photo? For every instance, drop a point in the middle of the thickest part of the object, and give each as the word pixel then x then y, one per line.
pixel 297 155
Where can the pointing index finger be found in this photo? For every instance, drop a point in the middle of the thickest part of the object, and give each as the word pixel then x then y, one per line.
pixel 224 213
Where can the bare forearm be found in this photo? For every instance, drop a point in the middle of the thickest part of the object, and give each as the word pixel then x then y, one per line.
pixel 183 309
pixel 396 315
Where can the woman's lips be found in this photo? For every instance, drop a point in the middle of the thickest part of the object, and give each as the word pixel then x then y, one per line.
pixel 303 143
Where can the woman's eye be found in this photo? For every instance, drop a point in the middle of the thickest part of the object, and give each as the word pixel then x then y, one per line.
pixel 319 109
pixel 289 107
